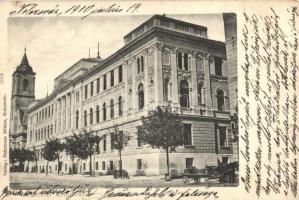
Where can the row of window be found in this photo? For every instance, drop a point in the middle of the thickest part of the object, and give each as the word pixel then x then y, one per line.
pixel 42 133
pixel 97 111
pixel 189 164
pixel 187 137
pixel 183 63
pixel 44 113
pixel 184 95
pixel 97 82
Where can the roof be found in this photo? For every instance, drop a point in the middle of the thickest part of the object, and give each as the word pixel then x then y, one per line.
pixel 24 67
pixel 169 19
pixel 88 60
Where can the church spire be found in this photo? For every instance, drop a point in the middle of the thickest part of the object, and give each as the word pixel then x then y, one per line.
pixel 24 59
pixel 24 66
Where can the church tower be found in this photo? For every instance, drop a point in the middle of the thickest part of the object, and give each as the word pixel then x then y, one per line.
pixel 23 86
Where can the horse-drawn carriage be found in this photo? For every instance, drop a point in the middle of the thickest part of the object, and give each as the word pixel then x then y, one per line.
pixel 120 174
pixel 224 173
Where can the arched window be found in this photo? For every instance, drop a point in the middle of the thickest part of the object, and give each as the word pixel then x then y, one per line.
pixel 111 108
pixel 91 116
pixel 77 119
pixel 140 96
pixel 98 114
pixel 85 118
pixel 104 112
pixel 120 106
pixel 220 100
pixel 25 85
pixel 184 94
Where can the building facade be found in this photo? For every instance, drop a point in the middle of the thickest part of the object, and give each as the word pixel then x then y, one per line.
pixel 164 62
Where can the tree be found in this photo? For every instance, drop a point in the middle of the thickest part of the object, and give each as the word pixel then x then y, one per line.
pixel 71 146
pixel 88 145
pixel 52 151
pixel 12 156
pixel 162 129
pixel 120 141
pixel 35 158
pixel 30 156
pixel 17 155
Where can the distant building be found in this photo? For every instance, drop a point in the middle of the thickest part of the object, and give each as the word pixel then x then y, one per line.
pixel 230 28
pixel 164 62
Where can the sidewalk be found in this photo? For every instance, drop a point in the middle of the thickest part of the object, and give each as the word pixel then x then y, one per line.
pixel 32 180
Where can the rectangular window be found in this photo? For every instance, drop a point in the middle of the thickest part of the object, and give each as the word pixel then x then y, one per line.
pixel 77 96
pixel 65 167
pixel 138 65
pixel 112 78
pixel 97 166
pixel 189 163
pixel 186 61
pixel 85 91
pixel 84 166
pixel 218 66
pixel 120 74
pixel 142 63
pixel 179 58
pixel 225 160
pixel 103 165
pixel 165 89
pixel 91 89
pixel 187 134
pixel 105 82
pixel 111 164
pixel 104 143
pixel 98 85
pixel 222 137
pixel 139 163
pixel 138 139
pixel 112 140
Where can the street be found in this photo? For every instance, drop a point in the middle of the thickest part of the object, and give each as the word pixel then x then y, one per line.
pixel 33 181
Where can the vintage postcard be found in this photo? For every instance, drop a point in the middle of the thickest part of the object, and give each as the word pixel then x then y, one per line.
pixel 149 100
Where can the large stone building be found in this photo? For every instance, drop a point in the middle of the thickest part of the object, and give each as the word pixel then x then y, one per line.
pixel 164 62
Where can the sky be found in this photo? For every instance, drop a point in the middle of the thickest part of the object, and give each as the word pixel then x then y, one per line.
pixel 54 44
